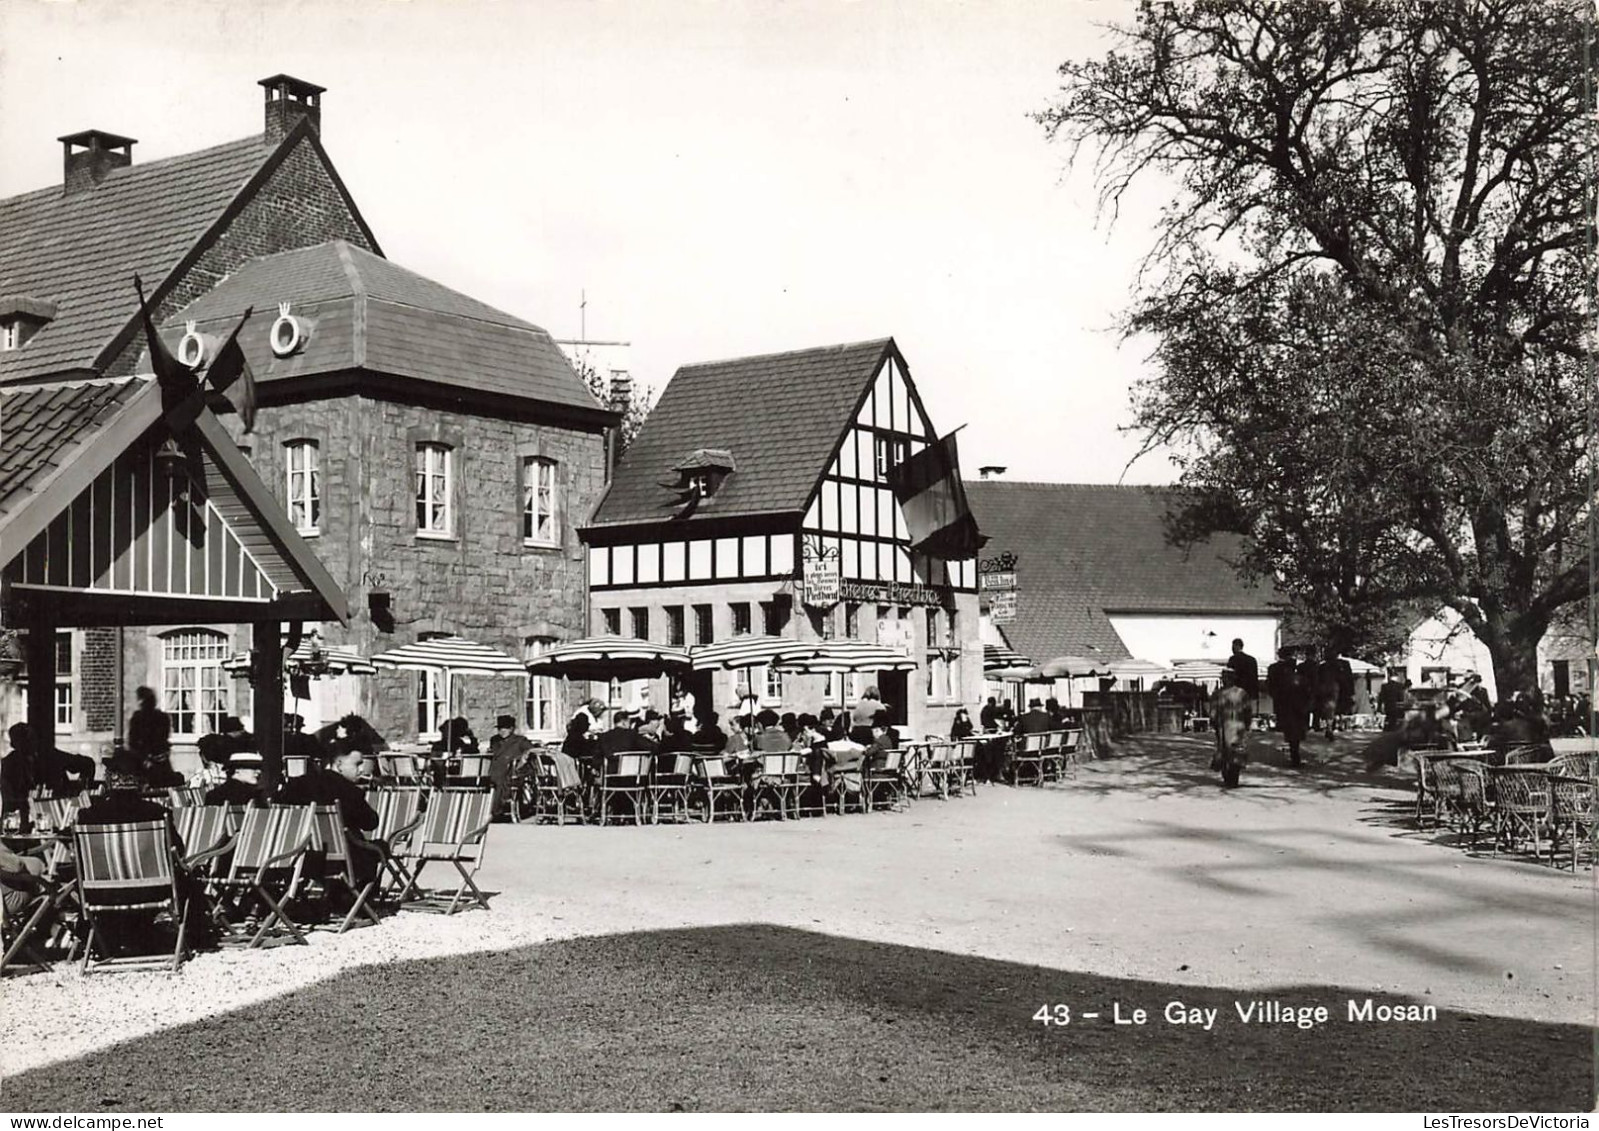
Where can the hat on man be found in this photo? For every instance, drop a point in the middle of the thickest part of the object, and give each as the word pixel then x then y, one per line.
pixel 621 715
pixel 232 724
pixel 245 760
pixel 505 722
pixel 596 706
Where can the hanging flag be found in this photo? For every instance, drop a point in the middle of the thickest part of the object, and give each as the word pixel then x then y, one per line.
pixel 930 493
pixel 176 381
pixel 231 365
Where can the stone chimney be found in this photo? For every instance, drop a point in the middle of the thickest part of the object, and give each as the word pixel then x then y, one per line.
pixel 88 156
pixel 992 471
pixel 289 99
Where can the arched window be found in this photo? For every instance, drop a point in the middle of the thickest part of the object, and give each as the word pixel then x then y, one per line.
pixel 302 460
pixel 196 691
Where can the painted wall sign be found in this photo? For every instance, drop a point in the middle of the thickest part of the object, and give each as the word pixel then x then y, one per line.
pixel 892 593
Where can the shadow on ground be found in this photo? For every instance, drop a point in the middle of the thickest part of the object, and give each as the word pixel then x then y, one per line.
pixel 769 1018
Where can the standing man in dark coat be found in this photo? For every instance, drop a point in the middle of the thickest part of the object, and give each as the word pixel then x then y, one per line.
pixel 1246 672
pixel 1290 701
pixel 150 741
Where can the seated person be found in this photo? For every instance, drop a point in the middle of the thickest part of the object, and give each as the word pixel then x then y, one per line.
pixel 229 738
pixel 1036 720
pixel 962 726
pixel 62 773
pixel 16 774
pixel 653 727
pixel 711 733
pixel 121 804
pixel 791 726
pixel 770 739
pixel 243 786
pixel 298 744
pixel 622 738
pixel 21 876
pixel 578 745
pixel 509 750
pixel 738 743
pixel 676 739
pixel 334 781
pixel 456 737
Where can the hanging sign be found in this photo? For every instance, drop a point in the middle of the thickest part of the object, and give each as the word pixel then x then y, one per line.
pixel 1002 606
pixel 821 574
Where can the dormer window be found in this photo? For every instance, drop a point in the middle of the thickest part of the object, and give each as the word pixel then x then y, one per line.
pixel 701 472
pixel 21 317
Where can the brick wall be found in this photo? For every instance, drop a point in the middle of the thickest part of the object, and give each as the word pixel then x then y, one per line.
pixel 298 206
pixel 97 675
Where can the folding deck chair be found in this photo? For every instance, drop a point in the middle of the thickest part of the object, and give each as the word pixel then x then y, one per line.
pixel 454 830
pixel 19 931
pixel 267 857
pixel 337 851
pixel 399 811
pixel 122 870
pixel 184 796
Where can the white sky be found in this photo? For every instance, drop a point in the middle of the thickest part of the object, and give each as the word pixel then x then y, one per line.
pixel 721 178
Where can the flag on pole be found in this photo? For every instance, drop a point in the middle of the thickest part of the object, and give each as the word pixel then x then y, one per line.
pixel 930 493
pixel 231 365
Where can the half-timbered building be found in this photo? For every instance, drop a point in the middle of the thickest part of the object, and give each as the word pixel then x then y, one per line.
pixel 757 499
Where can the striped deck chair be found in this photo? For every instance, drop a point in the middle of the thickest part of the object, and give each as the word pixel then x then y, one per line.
pixel 626 776
pixel 399 811
pixel 454 831
pixel 203 828
pixel 403 769
pixel 124 869
pixel 712 782
pixel 472 772
pixel 332 843
pixel 267 857
pixel 20 932
pixel 183 796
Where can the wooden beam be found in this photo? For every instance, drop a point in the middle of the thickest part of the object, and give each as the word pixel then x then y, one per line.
pixel 40 650
pixel 267 678
pixel 77 609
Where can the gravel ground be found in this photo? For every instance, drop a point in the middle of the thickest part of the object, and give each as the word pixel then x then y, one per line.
pixel 1139 882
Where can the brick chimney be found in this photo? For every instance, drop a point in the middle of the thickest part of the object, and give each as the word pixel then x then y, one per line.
pixel 289 99
pixel 621 391
pixel 88 156
pixel 991 471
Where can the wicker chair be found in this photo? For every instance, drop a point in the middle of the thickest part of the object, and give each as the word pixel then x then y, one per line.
pixel 1578 764
pixel 1571 814
pixel 1521 807
pixel 1523 755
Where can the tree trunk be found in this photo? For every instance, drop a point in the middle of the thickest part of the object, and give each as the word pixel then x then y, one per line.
pixel 1514 651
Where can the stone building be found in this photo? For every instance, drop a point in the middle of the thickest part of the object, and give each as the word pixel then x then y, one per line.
pixel 437 454
pixel 750 481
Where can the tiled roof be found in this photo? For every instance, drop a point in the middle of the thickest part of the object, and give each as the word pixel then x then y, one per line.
pixel 1085 550
pixel 40 425
pixel 365 312
pixel 780 415
pixel 80 250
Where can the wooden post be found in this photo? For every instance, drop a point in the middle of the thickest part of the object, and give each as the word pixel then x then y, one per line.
pixel 40 650
pixel 268 647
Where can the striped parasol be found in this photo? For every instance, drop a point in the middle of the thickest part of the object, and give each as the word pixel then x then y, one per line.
pixel 848 656
pixel 997 657
pixel 749 651
pixel 339 659
pixel 454 654
pixel 604 658
pixel 1198 671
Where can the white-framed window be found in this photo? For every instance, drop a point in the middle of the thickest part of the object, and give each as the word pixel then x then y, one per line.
pixel 66 684
pixel 613 694
pixel 540 526
pixel 432 702
pixel 10 334
pixel 302 460
pixel 197 693
pixel 538 709
pixel 773 684
pixel 435 480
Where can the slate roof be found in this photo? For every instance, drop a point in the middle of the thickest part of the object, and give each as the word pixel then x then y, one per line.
pixel 365 312
pixel 780 415
pixel 41 425
pixel 80 250
pixel 1085 550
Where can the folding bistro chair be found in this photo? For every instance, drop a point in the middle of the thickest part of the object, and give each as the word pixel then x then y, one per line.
pixel 123 870
pixel 454 831
pixel 669 785
pixel 937 766
pixel 626 776
pixel 329 838
pixel 883 786
pixel 399 811
pixel 779 779
pixel 712 783
pixel 557 785
pixel 267 857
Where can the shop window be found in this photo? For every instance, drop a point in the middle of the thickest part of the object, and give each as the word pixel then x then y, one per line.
pixel 197 693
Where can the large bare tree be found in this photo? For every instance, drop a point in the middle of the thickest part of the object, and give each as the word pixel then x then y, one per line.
pixel 1369 293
